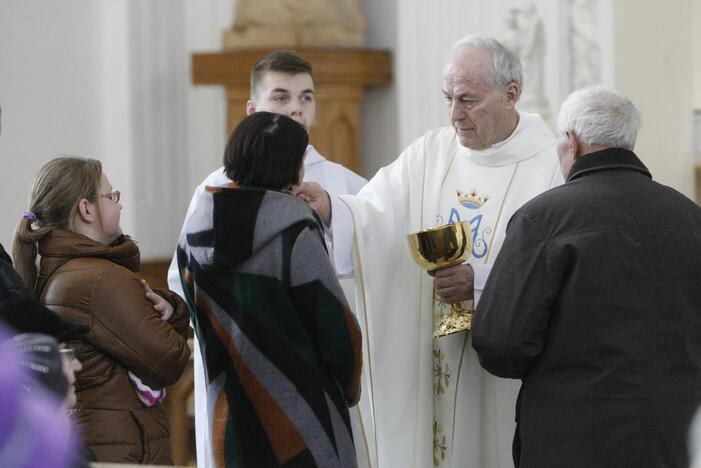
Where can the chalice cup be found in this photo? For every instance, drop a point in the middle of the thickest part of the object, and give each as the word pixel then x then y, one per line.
pixel 443 247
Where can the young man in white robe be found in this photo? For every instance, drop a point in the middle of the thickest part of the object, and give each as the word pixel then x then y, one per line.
pixel 281 82
pixel 427 402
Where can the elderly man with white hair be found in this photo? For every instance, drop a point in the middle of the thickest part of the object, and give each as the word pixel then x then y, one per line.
pixel 427 402
pixel 594 302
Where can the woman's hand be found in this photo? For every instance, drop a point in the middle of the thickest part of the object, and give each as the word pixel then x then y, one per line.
pixel 160 305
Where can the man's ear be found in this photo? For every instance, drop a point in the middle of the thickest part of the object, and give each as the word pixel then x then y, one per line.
pixel 513 92
pixel 250 107
pixel 574 145
pixel 86 211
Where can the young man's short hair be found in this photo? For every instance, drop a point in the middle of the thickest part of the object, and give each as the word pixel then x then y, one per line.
pixel 283 61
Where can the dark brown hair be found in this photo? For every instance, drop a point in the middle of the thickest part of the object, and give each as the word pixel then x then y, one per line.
pixel 266 150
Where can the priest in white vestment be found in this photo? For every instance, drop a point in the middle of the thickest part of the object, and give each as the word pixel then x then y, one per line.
pixel 427 402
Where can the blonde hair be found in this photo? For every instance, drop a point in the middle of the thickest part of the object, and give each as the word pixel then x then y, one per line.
pixel 57 191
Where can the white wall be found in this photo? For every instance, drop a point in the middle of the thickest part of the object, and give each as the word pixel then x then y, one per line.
pixel 380 122
pixel 159 63
pixel 53 93
pixel 206 117
pixel 653 66
pixel 106 79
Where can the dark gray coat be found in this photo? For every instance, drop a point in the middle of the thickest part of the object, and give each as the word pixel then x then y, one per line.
pixel 10 282
pixel 595 302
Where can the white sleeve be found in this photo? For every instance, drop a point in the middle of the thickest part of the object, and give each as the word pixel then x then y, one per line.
pixel 216 178
pixel 342 233
pixel 353 181
pixel 174 277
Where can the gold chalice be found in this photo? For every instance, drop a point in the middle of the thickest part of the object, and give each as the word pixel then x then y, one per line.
pixel 442 247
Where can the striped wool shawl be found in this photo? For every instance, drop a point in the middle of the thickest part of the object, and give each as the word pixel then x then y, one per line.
pixel 280 347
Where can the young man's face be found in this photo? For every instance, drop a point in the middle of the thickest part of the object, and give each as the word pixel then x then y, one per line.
pixel 283 93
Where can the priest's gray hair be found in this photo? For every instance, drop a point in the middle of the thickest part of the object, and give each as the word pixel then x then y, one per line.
pixel 504 63
pixel 600 116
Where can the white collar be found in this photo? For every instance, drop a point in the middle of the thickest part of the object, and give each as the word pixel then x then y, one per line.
pixel 313 156
pixel 530 136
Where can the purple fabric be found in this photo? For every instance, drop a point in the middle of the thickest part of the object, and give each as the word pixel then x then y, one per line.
pixel 29 215
pixel 35 430
pixel 148 396
pixel 10 380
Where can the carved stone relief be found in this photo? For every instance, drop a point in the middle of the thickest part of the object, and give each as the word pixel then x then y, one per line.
pixel 583 43
pixel 525 35
pixel 296 23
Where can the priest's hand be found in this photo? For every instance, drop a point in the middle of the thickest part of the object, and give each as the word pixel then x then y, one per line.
pixel 315 195
pixel 455 284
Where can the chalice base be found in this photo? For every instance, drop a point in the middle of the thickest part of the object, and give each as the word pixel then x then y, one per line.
pixel 454 321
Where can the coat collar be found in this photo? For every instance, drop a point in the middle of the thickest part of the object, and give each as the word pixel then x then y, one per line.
pixel 607 159
pixel 64 244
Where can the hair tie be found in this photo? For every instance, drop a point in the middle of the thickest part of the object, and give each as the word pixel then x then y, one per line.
pixel 29 215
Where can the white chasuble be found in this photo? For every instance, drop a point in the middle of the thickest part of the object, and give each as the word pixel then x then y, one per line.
pixel 427 402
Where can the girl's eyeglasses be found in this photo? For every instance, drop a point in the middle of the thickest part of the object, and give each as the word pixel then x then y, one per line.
pixel 67 353
pixel 114 196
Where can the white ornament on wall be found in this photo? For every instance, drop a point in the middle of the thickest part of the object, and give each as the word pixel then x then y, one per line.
pixel 585 51
pixel 525 35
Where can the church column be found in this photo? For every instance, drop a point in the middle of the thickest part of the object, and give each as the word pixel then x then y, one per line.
pixel 158 82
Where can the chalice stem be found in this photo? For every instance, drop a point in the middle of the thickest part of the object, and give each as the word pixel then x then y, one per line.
pixel 455 321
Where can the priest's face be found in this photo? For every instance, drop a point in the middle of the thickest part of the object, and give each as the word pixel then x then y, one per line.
pixel 288 94
pixel 481 114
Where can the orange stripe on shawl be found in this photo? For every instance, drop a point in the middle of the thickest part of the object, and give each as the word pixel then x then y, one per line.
pixel 353 390
pixel 282 434
pixel 221 410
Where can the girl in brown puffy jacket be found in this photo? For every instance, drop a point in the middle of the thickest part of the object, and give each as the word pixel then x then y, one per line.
pixel 87 274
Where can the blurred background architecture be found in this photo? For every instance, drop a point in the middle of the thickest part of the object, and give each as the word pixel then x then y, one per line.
pixel 112 79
